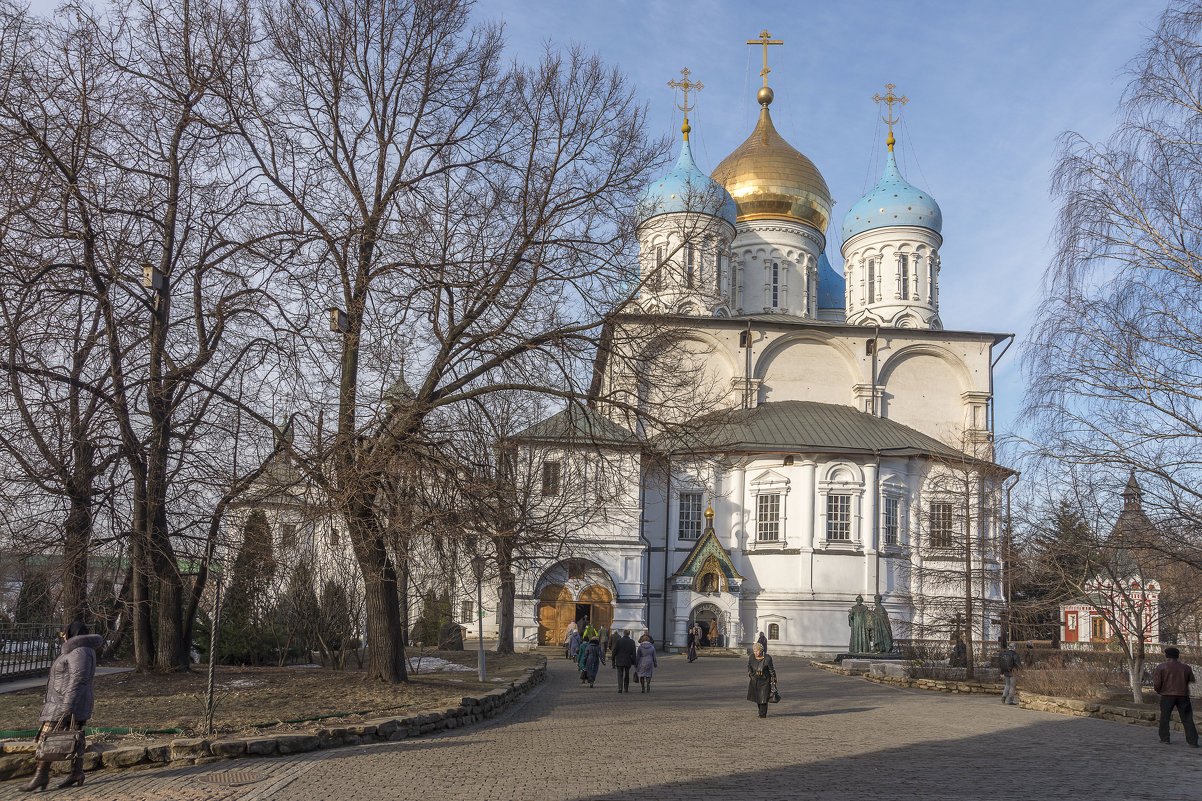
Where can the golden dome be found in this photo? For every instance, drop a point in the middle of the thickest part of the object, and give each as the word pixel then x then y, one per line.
pixel 770 180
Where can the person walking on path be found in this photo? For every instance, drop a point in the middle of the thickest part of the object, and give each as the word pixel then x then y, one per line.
pixel 1008 665
pixel 763 641
pixel 69 699
pixel 1172 679
pixel 589 632
pixel 591 659
pixel 574 643
pixel 762 675
pixel 645 662
pixel 694 641
pixel 567 639
pixel 623 660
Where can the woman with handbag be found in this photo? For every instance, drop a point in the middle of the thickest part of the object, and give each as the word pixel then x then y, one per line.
pixel 762 687
pixel 69 699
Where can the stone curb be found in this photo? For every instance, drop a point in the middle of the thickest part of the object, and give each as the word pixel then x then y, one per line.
pixel 1026 700
pixel 935 685
pixel 16 758
pixel 1090 709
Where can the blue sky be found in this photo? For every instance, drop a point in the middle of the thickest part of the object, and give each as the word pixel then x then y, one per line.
pixel 991 85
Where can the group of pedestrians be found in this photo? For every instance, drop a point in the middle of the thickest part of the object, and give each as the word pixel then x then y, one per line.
pixel 624 655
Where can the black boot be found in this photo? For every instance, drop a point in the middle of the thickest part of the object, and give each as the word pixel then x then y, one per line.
pixel 76 775
pixel 41 777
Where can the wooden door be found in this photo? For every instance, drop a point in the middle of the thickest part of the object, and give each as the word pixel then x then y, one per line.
pixel 1098 632
pixel 1070 626
pixel 601 605
pixel 555 611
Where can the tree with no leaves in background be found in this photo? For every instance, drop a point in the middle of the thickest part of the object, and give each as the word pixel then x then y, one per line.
pixel 1115 359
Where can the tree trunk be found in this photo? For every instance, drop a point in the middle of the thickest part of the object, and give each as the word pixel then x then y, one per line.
pixel 1135 668
pixel 970 667
pixel 77 536
pixel 505 597
pixel 143 635
pixel 385 643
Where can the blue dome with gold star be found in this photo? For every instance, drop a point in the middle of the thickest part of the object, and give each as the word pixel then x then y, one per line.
pixel 893 201
pixel 686 188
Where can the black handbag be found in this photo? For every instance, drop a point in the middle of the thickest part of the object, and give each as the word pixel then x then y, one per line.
pixel 775 697
pixel 56 746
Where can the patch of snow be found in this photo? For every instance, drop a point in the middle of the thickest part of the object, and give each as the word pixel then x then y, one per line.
pixel 301 667
pixel 434 664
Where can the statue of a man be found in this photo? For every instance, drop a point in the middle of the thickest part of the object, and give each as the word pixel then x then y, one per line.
pixel 857 618
pixel 882 632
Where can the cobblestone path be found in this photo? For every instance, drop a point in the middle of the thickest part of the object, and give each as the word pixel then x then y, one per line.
pixel 694 738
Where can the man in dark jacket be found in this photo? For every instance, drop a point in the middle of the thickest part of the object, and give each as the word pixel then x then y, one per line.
pixel 623 659
pixel 1172 679
pixel 1008 665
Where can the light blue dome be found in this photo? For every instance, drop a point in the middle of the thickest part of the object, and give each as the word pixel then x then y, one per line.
pixel 832 288
pixel 686 188
pixel 892 201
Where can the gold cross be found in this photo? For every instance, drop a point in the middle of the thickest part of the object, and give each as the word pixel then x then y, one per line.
pixel 765 40
pixel 686 86
pixel 890 99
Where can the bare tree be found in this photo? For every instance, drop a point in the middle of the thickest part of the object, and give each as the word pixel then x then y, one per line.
pixel 471 217
pixel 1115 360
pixel 159 232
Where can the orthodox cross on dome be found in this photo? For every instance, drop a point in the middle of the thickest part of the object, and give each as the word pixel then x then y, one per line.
pixel 765 40
pixel 686 86
pixel 890 99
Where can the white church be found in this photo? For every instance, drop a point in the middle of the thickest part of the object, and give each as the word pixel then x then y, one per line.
pixel 854 453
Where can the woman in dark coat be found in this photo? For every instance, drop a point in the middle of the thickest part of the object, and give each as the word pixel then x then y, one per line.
pixel 645 662
pixel 763 678
pixel 593 659
pixel 69 698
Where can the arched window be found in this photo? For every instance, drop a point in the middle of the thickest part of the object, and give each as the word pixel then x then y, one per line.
pixel 657 281
pixel 871 281
pixel 774 631
pixel 718 273
pixel 903 275
pixel 688 265
pixel 775 284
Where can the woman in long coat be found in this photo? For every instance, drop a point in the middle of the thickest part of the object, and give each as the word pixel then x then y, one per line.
pixel 69 698
pixel 574 643
pixel 762 677
pixel 592 660
pixel 645 662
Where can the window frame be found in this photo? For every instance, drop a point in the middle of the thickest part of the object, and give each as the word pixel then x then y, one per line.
pixel 942 526
pixel 551 469
pixel 680 515
pixel 891 505
pixel 843 520
pixel 771 503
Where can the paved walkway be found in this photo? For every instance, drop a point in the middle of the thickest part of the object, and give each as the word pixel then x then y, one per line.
pixel 694 737
pixel 40 681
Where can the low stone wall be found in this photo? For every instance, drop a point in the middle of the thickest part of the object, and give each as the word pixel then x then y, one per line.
pixel 1149 716
pixel 936 685
pixel 17 757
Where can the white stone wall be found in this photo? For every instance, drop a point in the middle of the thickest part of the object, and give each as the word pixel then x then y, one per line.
pixel 794 249
pixel 886 301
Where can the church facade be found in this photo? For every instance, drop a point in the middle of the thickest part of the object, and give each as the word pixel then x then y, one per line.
pixel 849 446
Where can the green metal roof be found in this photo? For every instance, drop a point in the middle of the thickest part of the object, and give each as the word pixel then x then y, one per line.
pixel 579 424
pixel 706 547
pixel 808 426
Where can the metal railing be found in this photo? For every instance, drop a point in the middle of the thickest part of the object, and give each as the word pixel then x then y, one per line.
pixel 27 650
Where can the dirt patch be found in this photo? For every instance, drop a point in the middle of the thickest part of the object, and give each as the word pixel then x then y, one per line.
pixel 251 697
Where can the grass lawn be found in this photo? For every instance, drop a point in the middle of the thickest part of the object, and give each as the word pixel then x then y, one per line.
pixel 249 697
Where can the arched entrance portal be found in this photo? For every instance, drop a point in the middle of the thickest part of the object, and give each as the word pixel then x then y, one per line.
pixel 572 590
pixel 713 624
